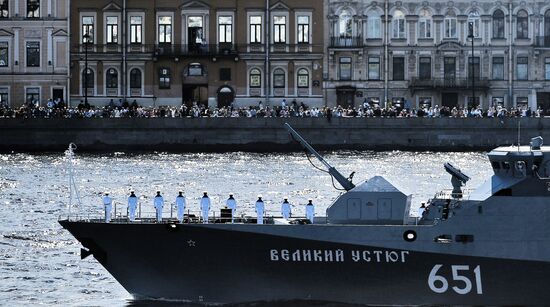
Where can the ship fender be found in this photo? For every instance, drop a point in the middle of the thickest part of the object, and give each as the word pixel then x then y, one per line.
pixel 409 235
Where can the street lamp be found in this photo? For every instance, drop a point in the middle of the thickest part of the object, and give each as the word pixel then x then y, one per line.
pixel 86 40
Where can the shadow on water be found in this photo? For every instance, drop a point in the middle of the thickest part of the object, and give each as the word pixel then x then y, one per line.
pixel 293 303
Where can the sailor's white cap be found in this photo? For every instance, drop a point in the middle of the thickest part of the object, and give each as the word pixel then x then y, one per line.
pixel 310 199
pixel 180 191
pixel 205 192
pixel 106 193
pixel 259 195
pixel 158 191
pixel 231 194
pixel 286 197
pixel 132 191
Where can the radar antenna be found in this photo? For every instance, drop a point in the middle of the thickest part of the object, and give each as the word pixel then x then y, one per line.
pixel 458 180
pixel 346 183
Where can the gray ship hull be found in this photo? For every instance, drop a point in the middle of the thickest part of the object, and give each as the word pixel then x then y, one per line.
pixel 224 263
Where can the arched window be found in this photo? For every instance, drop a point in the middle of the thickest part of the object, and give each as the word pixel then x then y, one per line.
pixel 473 18
pixel 88 79
pixel 547 28
pixel 425 24
pixel 135 79
pixel 346 24
pixel 450 25
pixel 498 24
pixel 303 78
pixel 255 78
pixel 112 78
pixel 373 24
pixel 522 21
pixel 398 25
pixel 195 69
pixel 279 78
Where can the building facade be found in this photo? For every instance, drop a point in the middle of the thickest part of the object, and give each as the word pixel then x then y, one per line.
pixel 214 52
pixel 34 50
pixel 414 53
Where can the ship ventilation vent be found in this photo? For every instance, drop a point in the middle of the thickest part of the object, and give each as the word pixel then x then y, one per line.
pixel 536 143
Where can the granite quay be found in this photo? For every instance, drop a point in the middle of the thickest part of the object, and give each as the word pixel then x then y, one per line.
pixel 266 134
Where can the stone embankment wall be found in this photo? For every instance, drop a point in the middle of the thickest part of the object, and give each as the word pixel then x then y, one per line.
pixel 266 134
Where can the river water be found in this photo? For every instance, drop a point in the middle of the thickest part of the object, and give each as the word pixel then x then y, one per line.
pixel 40 262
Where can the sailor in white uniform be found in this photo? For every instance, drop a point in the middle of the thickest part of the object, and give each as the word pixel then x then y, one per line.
pixel 180 205
pixel 285 209
pixel 421 210
pixel 205 207
pixel 260 209
pixel 231 203
pixel 108 205
pixel 310 211
pixel 158 202
pixel 132 205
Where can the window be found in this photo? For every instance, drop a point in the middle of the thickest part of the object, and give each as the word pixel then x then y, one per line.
pixel 345 24
pixel 522 23
pixel 255 78
pixel 425 68
pixel 4 9
pixel 303 29
pixel 112 78
pixel 225 28
pixel 136 28
pixel 374 68
pixel 522 71
pixel 497 101
pixel 112 29
pixel 135 79
pixel 4 97
pixel 33 54
pixel 345 68
pixel 522 102
pixel 450 25
pixel 88 79
pixel 398 25
pixel 398 68
pixel 255 29
pixel 279 29
pixel 474 20
pixel 195 69
pixel 278 78
pixel 425 24
pixel 498 68
pixel 165 29
pixel 498 24
pixel 473 66
pixel 547 68
pixel 4 54
pixel 33 8
pixel 425 102
pixel 225 74
pixel 373 24
pixel 164 78
pixel 32 94
pixel 87 29
pixel 303 78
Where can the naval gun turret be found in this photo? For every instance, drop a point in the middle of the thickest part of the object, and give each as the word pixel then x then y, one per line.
pixel 373 202
pixel 343 181
pixel 458 179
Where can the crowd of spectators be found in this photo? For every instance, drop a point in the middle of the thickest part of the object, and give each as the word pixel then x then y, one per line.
pixel 118 109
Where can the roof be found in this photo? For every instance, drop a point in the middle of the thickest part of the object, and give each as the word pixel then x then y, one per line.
pixel 376 184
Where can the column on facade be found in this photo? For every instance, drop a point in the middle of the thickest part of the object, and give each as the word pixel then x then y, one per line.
pixel 50 8
pixel 50 47
pixel 16 50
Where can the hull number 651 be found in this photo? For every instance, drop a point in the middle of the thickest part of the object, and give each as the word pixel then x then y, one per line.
pixel 461 284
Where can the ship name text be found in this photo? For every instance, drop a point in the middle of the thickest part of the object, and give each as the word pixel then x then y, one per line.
pixel 338 255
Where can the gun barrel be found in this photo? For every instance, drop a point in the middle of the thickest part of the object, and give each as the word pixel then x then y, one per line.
pixel 343 181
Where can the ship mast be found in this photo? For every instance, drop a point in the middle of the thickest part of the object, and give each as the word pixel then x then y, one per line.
pixel 343 181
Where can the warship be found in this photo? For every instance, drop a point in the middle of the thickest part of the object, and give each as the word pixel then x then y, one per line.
pixel 489 246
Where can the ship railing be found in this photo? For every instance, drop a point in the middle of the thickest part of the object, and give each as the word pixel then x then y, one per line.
pixel 147 214
pixel 448 194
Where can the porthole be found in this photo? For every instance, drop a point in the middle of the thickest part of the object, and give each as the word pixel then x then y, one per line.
pixel 409 235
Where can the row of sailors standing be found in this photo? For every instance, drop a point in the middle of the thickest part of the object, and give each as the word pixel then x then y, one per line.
pixel 231 203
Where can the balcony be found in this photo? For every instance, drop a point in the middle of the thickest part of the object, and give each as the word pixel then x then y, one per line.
pixel 346 42
pixel 195 50
pixel 542 41
pixel 448 84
